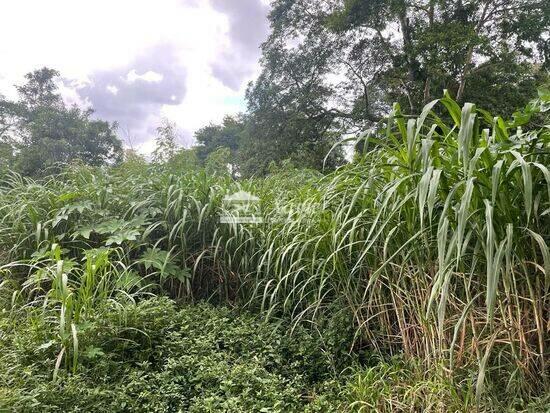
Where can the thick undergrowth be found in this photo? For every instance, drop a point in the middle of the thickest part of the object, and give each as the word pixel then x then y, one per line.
pixel 432 247
pixel 152 356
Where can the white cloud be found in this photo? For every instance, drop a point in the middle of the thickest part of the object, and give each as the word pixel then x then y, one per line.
pixel 113 89
pixel 149 76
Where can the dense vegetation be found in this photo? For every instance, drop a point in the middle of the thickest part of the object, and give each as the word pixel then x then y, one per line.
pixel 149 356
pixel 336 67
pixel 415 278
pixel 412 276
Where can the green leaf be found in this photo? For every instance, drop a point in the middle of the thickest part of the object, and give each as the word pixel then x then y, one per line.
pixel 92 352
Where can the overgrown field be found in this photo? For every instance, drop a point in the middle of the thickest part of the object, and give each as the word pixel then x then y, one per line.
pixel 415 278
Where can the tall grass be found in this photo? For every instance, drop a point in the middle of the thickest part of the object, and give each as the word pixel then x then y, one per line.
pixel 435 240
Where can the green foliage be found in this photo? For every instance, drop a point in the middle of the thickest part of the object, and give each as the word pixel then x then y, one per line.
pixel 6 157
pixel 44 134
pixel 184 160
pixel 511 84
pixel 338 66
pixel 217 162
pixel 432 244
pixel 166 144
pixel 228 135
pixel 399 386
pixel 152 356
pixel 288 113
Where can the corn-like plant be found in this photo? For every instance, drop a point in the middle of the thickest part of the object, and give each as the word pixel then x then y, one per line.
pixel 435 241
pixel 68 293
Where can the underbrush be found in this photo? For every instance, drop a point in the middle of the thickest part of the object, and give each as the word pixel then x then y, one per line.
pixel 154 356
pixel 432 247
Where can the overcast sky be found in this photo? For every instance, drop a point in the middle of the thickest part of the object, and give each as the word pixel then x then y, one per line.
pixel 136 61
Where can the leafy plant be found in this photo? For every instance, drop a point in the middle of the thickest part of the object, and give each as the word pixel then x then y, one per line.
pixel 151 356
pixel 432 244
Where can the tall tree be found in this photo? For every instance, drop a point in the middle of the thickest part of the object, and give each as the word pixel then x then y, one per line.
pixel 227 135
pixel 45 134
pixel 336 66
pixel 289 115
pixel 433 45
pixel 40 89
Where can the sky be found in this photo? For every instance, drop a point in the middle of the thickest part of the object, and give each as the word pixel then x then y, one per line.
pixel 138 61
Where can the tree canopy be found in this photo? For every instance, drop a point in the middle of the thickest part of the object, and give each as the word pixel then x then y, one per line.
pixel 39 132
pixel 228 135
pixel 331 68
pixel 335 67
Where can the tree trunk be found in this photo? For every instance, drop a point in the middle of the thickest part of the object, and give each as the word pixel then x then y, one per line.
pixel 470 53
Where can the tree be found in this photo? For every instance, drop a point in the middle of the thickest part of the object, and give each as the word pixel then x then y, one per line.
pixel 336 66
pixel 511 85
pixel 166 144
pixel 217 161
pixel 229 135
pixel 40 89
pixel 289 117
pixel 439 44
pixel 184 160
pixel 6 142
pixel 44 134
pixel 6 157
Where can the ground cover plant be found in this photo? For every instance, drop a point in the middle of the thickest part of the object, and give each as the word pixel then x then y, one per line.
pixel 154 356
pixel 415 278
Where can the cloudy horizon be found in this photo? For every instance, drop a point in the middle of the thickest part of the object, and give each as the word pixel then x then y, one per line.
pixel 137 62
